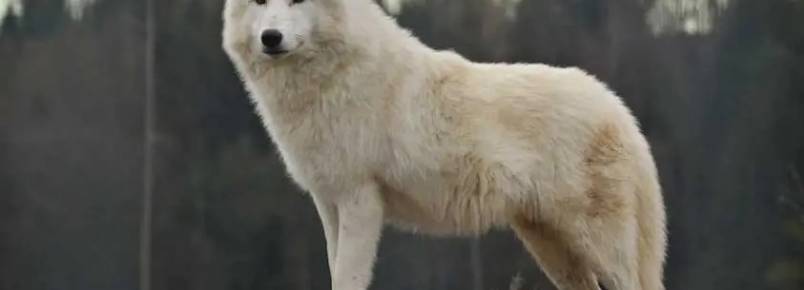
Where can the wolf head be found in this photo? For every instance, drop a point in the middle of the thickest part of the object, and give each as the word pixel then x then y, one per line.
pixel 276 29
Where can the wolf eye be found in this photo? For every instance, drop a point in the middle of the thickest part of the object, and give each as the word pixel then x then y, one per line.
pixel 297 1
pixel 260 2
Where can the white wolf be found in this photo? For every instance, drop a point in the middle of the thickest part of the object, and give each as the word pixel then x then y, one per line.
pixel 380 128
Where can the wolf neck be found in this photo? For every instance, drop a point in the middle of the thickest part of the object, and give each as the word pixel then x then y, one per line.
pixel 366 44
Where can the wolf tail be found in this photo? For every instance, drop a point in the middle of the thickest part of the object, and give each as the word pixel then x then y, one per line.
pixel 652 233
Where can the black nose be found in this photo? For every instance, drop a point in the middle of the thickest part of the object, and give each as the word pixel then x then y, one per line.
pixel 271 38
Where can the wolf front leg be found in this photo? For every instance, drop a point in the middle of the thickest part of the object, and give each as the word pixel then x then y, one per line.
pixel 360 222
pixel 328 212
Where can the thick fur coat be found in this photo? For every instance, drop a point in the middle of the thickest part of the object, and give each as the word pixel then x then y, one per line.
pixel 380 129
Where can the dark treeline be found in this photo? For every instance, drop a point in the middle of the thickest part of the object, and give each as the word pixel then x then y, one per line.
pixel 723 110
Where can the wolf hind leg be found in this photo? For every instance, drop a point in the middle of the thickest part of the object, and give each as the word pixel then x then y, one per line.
pixel 564 266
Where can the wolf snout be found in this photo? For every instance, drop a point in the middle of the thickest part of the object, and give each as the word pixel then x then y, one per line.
pixel 272 41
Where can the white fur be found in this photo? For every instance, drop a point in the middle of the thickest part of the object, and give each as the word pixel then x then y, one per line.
pixel 380 128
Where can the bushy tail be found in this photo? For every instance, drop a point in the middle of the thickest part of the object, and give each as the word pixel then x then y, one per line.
pixel 652 235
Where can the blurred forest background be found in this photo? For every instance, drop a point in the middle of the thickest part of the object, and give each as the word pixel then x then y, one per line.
pixel 718 86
